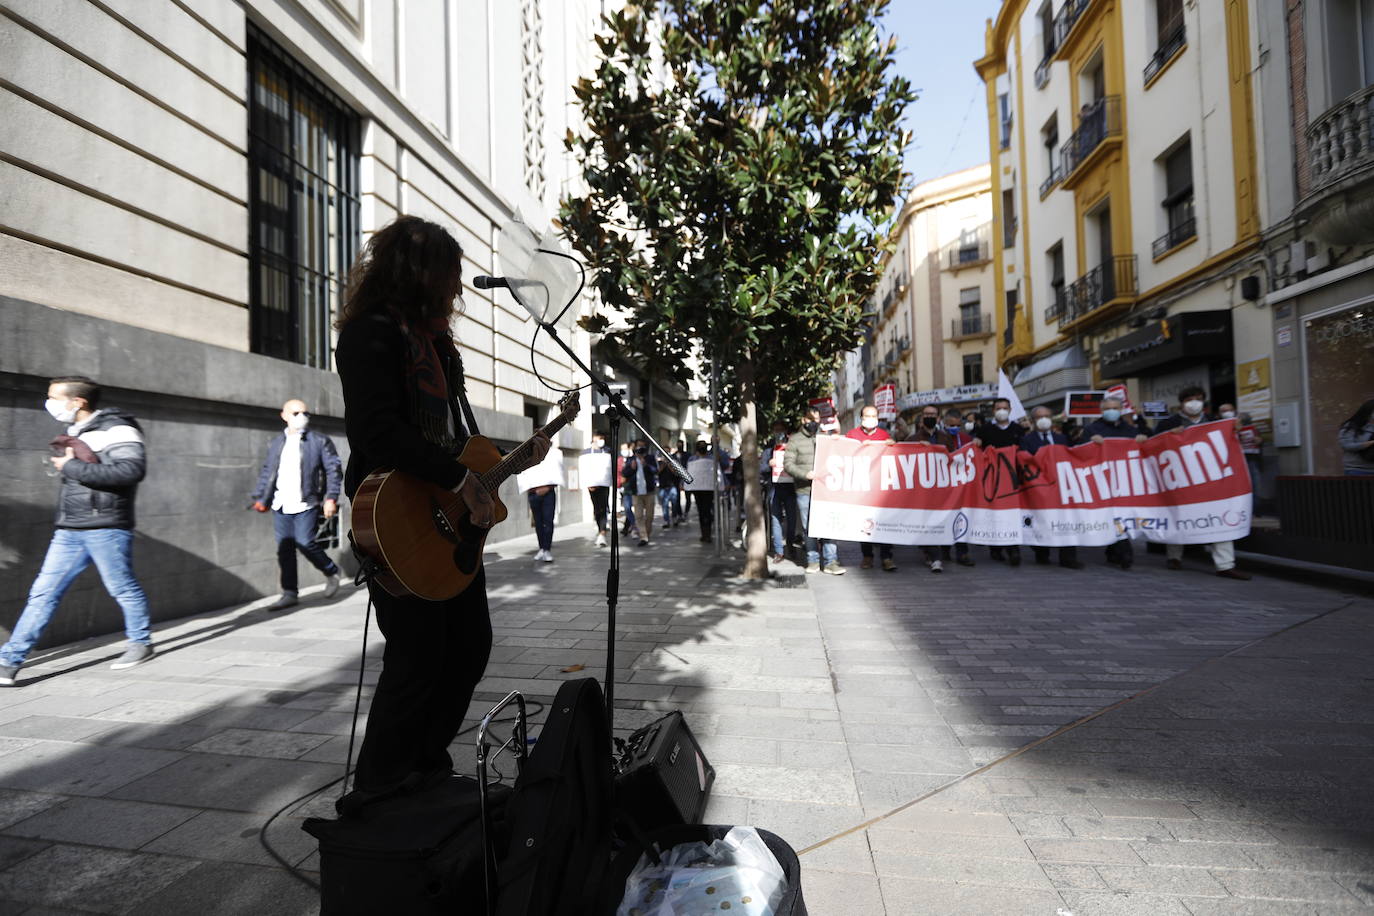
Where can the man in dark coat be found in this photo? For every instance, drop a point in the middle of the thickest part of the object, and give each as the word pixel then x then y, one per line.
pixel 298 483
pixel 1001 432
pixel 1041 435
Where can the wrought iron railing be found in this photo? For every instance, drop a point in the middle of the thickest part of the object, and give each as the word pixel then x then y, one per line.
pixel 1113 279
pixel 1172 38
pixel 1341 141
pixel 1068 17
pixel 1042 72
pixel 1059 303
pixel 1178 233
pixel 1055 176
pixel 973 325
pixel 967 254
pixel 1096 122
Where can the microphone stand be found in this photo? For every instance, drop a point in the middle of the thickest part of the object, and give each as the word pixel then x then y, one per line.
pixel 616 412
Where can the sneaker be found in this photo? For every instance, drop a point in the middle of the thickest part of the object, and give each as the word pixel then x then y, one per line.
pixel 331 585
pixel 1233 574
pixel 813 567
pixel 7 673
pixel 888 565
pixel 601 540
pixel 866 563
pixel 937 566
pixel 136 654
pixel 547 556
pixel 287 599
pixel 834 569
pixel 643 542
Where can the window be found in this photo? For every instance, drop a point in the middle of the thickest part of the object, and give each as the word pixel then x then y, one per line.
pixel 1170 35
pixel 532 85
pixel 1009 218
pixel 1004 104
pixel 1013 299
pixel 1046 18
pixel 973 369
pixel 1349 54
pixel 1179 219
pixel 1049 142
pixel 302 206
pixel 1054 259
pixel 970 320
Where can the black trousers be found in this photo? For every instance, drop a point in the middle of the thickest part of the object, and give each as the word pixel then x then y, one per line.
pixel 601 506
pixel 706 512
pixel 436 652
pixel 1066 554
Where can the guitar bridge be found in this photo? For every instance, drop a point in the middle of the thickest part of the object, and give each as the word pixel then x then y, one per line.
pixel 441 522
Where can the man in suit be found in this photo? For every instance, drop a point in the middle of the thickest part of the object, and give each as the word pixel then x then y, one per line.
pixel 1042 434
pixel 299 481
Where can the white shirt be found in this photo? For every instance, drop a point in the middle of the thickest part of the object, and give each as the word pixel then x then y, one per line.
pixel 288 499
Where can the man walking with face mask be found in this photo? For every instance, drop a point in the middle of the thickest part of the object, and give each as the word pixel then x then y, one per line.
pixel 1192 401
pixel 1000 433
pixel 299 480
pixel 101 462
pixel 1042 434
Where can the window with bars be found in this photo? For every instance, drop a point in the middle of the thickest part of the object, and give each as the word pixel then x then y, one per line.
pixel 302 206
pixel 1179 216
pixel 970 319
pixel 532 83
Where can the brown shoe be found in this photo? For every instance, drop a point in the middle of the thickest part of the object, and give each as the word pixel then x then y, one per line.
pixel 1174 564
pixel 867 563
pixel 1234 574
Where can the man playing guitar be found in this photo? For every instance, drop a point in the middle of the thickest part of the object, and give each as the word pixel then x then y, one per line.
pixel 403 384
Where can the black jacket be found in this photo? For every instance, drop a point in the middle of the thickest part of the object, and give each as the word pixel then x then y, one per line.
pixel 993 436
pixel 629 474
pixel 1179 421
pixel 102 495
pixel 1034 440
pixel 320 468
pixel 1121 429
pixel 371 361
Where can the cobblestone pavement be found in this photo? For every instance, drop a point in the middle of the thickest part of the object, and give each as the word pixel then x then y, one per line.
pixel 906 732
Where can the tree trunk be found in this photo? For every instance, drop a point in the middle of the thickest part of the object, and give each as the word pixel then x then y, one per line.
pixel 756 520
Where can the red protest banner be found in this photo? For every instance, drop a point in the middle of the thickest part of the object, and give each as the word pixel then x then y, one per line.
pixel 1187 486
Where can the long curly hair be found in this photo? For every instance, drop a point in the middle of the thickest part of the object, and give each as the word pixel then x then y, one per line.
pixel 410 265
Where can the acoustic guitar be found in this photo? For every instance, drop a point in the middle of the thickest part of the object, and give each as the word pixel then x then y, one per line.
pixel 420 534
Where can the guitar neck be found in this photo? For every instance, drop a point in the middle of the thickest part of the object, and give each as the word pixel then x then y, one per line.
pixel 515 459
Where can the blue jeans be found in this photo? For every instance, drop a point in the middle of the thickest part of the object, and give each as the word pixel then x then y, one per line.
pixel 667 500
pixel 782 504
pixel 70 551
pixel 627 507
pixel 542 506
pixel 815 547
pixel 297 532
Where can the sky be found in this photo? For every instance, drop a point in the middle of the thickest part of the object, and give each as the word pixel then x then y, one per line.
pixel 937 43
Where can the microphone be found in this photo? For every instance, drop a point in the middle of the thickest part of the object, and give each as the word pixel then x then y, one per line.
pixel 484 282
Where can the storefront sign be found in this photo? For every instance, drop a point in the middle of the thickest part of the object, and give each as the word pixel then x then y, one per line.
pixel 1083 403
pixel 885 399
pixel 1190 335
pixel 1253 395
pixel 959 395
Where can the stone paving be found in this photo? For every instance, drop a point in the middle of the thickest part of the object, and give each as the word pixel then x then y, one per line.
pixel 906 732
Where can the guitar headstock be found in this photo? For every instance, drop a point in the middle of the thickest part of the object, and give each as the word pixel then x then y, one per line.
pixel 570 405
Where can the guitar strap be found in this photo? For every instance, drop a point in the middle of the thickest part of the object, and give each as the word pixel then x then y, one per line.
pixel 459 401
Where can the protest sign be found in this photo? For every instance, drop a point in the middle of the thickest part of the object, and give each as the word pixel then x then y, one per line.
pixel 1185 487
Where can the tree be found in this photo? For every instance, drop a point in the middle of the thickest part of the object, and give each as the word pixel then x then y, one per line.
pixel 741 158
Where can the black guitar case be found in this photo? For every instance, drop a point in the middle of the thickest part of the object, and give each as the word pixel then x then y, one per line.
pixel 559 817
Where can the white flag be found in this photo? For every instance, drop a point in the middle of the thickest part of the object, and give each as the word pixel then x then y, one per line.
pixel 1004 390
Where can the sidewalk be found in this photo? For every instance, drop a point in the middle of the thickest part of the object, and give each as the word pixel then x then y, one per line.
pixel 872 720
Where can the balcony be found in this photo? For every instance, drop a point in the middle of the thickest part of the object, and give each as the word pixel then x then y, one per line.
pixel 1068 18
pixel 1099 126
pixel 1340 200
pixel 1055 176
pixel 966 327
pixel 1185 230
pixel 1042 72
pixel 1056 309
pixel 967 253
pixel 1108 283
pixel 1172 40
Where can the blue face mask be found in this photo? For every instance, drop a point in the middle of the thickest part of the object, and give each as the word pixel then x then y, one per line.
pixel 1111 415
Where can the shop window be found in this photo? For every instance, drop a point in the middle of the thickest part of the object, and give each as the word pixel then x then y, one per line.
pixel 973 369
pixel 1340 376
pixel 302 206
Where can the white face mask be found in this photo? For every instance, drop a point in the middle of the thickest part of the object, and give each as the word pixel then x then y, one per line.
pixel 625 452
pixel 1043 424
pixel 1192 408
pixel 1002 416
pixel 869 422
pixel 1228 414
pixel 968 427
pixel 298 421
pixel 57 408
pixel 598 444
